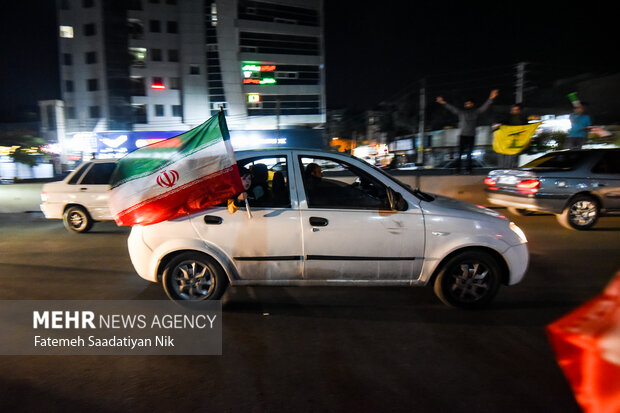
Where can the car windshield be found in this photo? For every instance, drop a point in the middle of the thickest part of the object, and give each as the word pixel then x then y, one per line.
pixel 557 160
pixel 416 192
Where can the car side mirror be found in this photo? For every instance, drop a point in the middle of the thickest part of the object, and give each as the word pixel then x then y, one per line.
pixel 396 200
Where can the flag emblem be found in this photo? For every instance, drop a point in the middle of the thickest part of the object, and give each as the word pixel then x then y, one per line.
pixel 167 179
pixel 175 177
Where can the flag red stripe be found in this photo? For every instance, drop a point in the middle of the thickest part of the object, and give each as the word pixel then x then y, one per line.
pixel 192 197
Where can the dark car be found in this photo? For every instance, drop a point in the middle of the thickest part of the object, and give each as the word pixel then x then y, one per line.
pixel 578 186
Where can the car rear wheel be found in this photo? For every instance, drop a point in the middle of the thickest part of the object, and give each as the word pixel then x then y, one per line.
pixel 77 219
pixel 468 280
pixel 194 276
pixel 581 213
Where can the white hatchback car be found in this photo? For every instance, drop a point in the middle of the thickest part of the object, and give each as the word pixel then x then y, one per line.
pixel 82 197
pixel 355 226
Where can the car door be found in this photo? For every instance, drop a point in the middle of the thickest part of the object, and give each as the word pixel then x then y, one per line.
pixel 93 189
pixel 268 245
pixel 606 175
pixel 349 232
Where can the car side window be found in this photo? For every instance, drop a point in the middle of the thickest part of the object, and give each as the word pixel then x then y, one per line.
pixel 80 171
pixel 608 164
pixel 334 184
pixel 270 182
pixel 99 174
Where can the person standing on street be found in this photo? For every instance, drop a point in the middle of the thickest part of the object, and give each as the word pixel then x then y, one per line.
pixel 468 120
pixel 514 118
pixel 580 124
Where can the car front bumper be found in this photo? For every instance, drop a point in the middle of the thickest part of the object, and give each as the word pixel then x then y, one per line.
pixel 518 259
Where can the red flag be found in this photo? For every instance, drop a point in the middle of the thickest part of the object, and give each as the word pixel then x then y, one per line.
pixel 587 346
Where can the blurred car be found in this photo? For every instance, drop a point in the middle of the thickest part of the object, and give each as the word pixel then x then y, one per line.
pixel 578 186
pixel 355 226
pixel 81 198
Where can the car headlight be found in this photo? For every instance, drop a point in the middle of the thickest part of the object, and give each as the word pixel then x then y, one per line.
pixel 519 232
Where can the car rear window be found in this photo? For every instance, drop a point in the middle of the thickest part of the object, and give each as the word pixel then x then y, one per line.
pixel 557 160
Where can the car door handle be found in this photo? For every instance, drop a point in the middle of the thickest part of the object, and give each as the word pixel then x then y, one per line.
pixel 83 189
pixel 213 220
pixel 318 222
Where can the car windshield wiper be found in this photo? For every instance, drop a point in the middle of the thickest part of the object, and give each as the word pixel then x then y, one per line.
pixel 423 196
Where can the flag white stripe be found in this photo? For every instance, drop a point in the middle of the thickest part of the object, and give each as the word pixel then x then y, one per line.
pixel 201 163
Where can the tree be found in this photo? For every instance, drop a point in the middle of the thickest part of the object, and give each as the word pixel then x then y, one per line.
pixel 27 146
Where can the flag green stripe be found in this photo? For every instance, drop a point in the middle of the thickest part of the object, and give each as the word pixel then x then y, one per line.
pixel 154 158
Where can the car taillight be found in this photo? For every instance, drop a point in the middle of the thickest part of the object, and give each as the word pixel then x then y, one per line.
pixel 489 181
pixel 529 184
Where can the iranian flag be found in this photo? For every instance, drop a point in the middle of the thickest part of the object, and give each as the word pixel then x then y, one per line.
pixel 174 177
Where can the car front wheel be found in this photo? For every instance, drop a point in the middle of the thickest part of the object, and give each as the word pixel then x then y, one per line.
pixel 77 219
pixel 581 213
pixel 468 280
pixel 194 276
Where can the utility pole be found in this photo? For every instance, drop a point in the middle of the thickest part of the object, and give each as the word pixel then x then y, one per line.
pixel 420 146
pixel 520 82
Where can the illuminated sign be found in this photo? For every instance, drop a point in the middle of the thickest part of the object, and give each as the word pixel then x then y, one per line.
pixel 255 74
pixel 158 86
pixel 253 98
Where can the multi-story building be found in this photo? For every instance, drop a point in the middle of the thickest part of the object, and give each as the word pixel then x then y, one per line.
pixel 168 65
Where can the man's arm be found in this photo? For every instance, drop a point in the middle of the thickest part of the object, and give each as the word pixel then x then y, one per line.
pixel 487 104
pixel 447 105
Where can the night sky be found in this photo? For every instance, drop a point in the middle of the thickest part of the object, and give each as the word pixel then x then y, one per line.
pixel 375 50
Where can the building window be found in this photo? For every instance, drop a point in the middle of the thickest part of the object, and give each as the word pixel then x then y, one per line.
pixel 135 5
pixel 154 26
pixel 68 86
pixel 138 112
pixel 172 27
pixel 138 86
pixel 176 111
pixel 194 70
pixel 65 5
pixel 66 32
pixel 173 55
pixel 278 44
pixel 135 28
pixel 87 4
pixel 90 57
pixel 70 112
pixel 156 55
pixel 159 110
pixel 93 111
pixel 158 83
pixel 92 85
pixel 175 83
pixel 90 29
pixel 67 59
pixel 138 55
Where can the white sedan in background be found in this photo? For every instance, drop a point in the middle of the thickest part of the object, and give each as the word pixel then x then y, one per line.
pixel 81 198
pixel 355 226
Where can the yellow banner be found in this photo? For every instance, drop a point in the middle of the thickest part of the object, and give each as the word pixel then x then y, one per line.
pixel 511 140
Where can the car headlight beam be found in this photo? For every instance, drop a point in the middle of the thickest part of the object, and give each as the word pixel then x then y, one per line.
pixel 519 232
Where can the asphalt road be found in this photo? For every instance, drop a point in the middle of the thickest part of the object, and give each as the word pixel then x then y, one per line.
pixel 309 349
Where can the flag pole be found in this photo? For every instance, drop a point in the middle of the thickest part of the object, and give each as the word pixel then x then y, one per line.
pixel 247 208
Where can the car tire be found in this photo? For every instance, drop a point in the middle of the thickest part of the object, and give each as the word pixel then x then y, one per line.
pixel 193 276
pixel 581 213
pixel 468 280
pixel 77 219
pixel 519 211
